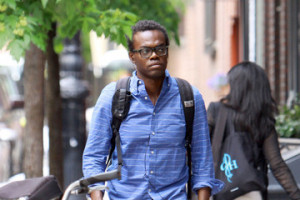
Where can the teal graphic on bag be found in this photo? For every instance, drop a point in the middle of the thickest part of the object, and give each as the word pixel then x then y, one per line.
pixel 227 166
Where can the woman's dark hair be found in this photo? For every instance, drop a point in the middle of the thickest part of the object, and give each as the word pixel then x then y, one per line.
pixel 146 25
pixel 250 97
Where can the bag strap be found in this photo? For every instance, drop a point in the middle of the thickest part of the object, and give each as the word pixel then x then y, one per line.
pixel 120 108
pixel 187 100
pixel 218 134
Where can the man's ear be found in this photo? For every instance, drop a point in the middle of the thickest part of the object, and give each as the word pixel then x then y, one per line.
pixel 131 57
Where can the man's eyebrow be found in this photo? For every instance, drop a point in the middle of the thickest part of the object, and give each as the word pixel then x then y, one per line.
pixel 160 45
pixel 142 47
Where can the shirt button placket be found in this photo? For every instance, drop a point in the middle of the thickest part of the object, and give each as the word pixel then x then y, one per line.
pixel 152 153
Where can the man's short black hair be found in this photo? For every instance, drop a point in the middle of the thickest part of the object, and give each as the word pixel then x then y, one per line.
pixel 146 25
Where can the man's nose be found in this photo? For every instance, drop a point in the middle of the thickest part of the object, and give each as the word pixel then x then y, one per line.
pixel 153 55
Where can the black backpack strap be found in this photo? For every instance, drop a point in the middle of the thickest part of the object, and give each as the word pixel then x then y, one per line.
pixel 218 134
pixel 187 100
pixel 120 108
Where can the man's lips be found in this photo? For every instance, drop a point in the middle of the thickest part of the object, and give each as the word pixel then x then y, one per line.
pixel 155 65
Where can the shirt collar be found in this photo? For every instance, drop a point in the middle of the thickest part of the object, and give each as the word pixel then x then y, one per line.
pixel 135 81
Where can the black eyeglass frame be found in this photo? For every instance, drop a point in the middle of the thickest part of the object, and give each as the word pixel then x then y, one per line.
pixel 153 49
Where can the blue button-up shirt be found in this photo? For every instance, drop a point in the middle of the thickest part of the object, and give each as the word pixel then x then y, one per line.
pixel 152 143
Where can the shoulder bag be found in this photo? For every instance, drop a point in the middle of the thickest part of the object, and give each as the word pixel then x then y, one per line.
pixel 234 159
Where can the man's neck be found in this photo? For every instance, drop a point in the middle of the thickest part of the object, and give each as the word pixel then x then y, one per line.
pixel 153 88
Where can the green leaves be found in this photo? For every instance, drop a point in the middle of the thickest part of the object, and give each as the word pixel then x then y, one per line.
pixel 5 36
pixel 17 47
pixel 114 24
pixel 58 45
pixel 44 3
pixel 166 12
pixel 288 121
pixel 11 4
pixel 22 22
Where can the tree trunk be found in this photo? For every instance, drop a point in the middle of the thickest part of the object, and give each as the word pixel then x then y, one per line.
pixel 34 111
pixel 53 108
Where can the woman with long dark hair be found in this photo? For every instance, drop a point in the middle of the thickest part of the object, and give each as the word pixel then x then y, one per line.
pixel 251 109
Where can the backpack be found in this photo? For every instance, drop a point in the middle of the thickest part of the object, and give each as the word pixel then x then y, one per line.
pixel 236 159
pixel 120 108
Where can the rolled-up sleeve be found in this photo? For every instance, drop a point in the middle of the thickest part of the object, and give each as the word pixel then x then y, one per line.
pixel 202 161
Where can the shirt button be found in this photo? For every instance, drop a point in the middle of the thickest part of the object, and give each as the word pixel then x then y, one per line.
pixel 153 113
pixel 140 82
pixel 149 190
pixel 151 172
pixel 153 133
pixel 152 152
pixel 146 98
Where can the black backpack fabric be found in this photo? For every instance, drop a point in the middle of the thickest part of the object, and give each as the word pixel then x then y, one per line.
pixel 120 108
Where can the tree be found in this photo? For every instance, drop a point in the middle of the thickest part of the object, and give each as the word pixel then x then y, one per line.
pixel 39 28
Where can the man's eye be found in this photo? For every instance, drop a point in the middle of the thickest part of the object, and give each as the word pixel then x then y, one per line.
pixel 145 51
pixel 160 49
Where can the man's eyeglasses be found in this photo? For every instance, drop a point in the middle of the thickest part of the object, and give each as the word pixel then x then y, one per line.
pixel 146 52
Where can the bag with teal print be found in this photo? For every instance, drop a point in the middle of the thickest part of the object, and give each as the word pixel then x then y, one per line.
pixel 235 160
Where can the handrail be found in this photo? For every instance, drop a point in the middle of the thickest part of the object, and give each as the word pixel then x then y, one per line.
pixel 81 186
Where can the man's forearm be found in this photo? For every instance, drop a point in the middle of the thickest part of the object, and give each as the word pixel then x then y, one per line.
pixel 204 193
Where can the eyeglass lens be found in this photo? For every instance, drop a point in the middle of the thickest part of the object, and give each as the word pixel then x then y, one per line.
pixel 147 52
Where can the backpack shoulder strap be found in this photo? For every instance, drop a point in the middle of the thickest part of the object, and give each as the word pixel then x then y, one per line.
pixel 119 108
pixel 121 100
pixel 219 131
pixel 187 100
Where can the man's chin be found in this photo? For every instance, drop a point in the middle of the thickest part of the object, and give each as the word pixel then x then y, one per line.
pixel 158 75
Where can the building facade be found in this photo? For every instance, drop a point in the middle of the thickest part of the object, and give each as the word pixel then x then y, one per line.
pixel 215 35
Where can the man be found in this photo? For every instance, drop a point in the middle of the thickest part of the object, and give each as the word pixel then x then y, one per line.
pixel 153 133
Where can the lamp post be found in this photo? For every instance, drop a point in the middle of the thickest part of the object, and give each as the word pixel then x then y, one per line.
pixel 73 94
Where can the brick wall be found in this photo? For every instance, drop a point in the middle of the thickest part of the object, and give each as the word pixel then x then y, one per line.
pixel 276 48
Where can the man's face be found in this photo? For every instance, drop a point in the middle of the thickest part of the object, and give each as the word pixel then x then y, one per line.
pixel 153 67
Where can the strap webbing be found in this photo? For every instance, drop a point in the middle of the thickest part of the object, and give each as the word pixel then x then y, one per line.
pixel 120 107
pixel 218 134
pixel 187 100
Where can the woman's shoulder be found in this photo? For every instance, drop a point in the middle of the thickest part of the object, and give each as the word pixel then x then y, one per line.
pixel 212 111
pixel 214 106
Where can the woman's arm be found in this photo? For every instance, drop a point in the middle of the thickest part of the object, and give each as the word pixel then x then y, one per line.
pixel 279 168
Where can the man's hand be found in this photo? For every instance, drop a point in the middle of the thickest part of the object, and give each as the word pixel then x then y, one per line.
pixel 97 195
pixel 204 193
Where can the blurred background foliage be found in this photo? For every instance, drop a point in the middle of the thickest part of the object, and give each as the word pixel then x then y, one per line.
pixel 22 22
pixel 288 120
